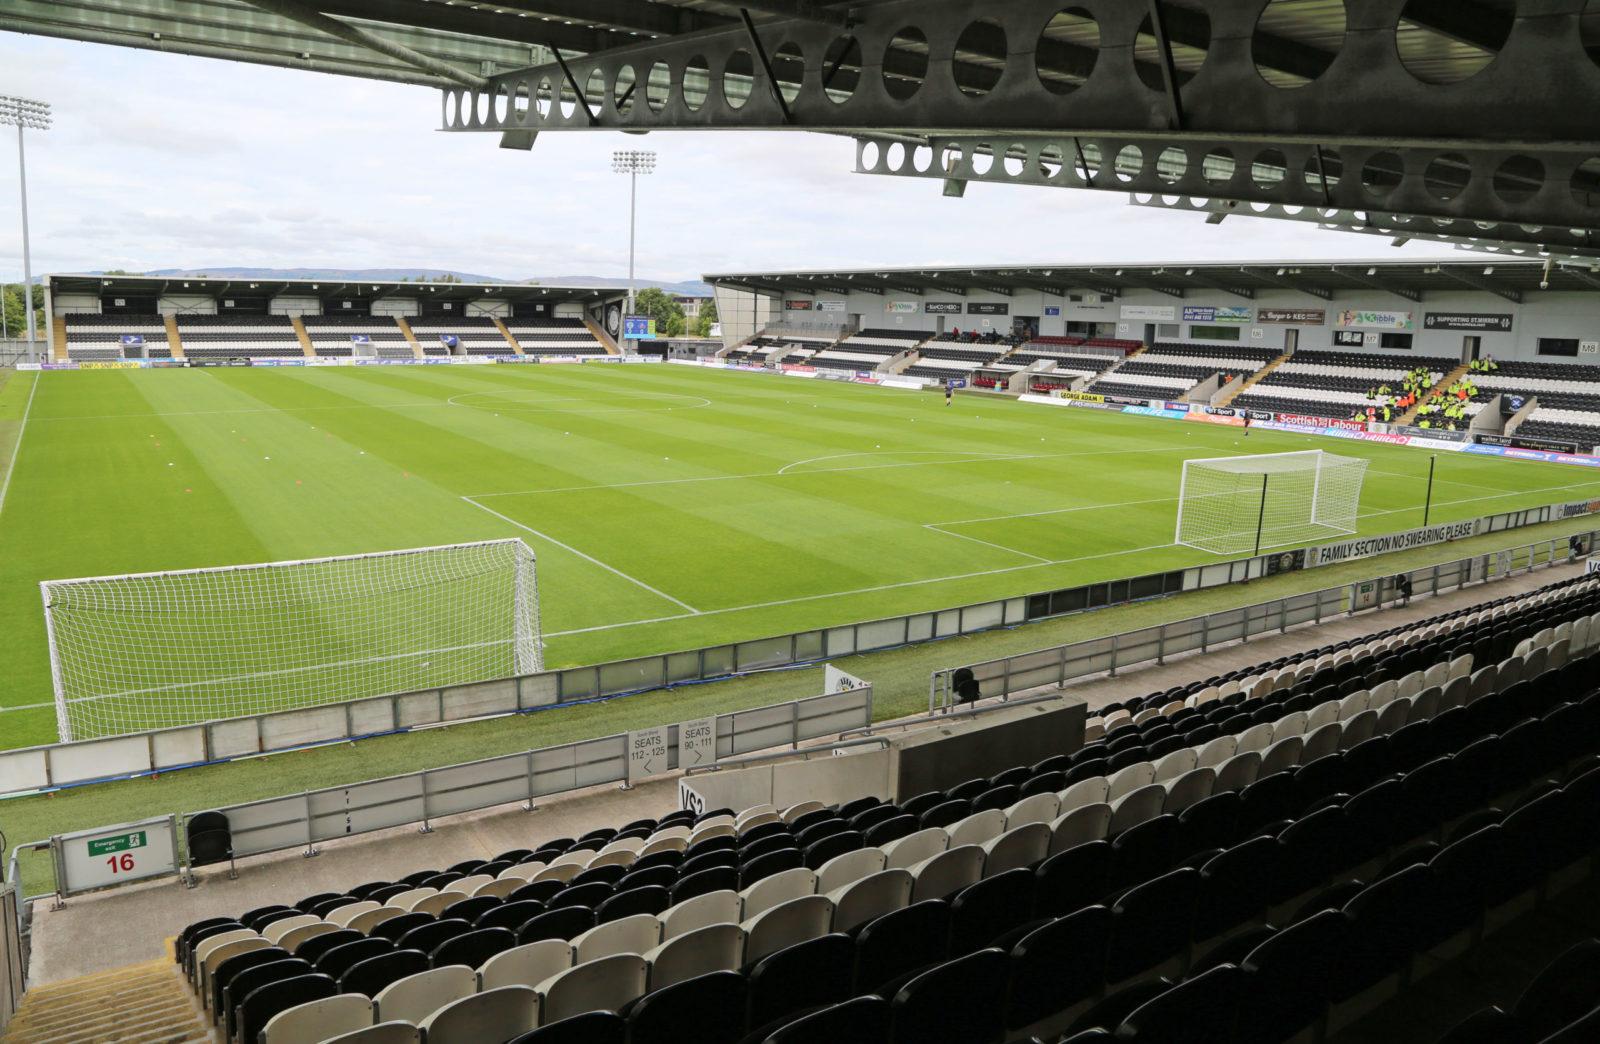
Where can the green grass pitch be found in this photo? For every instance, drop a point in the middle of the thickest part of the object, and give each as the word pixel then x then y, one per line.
pixel 670 507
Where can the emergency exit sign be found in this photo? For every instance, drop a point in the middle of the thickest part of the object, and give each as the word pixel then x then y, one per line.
pixel 120 843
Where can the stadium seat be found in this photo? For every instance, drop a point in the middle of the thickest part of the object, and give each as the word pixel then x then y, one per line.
pixel 493 1015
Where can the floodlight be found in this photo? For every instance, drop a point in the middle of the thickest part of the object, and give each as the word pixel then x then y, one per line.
pixel 632 162
pixel 24 114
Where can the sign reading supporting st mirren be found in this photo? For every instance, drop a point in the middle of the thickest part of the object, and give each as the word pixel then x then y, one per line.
pixel 1467 321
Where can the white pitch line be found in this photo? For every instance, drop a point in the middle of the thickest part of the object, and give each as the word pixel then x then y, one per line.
pixel 16 449
pixel 587 558
pixel 860 590
pixel 998 547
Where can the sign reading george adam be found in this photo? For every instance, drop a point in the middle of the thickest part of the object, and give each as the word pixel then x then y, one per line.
pixel 1466 321
pixel 941 307
pixel 1294 316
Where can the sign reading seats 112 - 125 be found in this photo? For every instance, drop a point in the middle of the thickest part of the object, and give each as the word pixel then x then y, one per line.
pixel 639 328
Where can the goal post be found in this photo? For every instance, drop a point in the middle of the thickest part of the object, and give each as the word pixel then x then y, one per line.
pixel 153 650
pixel 1245 504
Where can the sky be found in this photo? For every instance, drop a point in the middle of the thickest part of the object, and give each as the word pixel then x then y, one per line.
pixel 167 161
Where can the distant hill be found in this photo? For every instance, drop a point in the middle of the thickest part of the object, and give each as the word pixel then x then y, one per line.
pixel 689 287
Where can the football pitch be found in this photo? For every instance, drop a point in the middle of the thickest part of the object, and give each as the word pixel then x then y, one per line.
pixel 669 507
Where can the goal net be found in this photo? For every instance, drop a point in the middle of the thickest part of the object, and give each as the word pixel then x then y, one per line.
pixel 152 650
pixel 1232 505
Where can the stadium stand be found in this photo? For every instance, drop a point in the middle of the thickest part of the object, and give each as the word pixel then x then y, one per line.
pixel 92 337
pixel 1240 859
pixel 553 337
pixel 335 336
pixel 1569 399
pixel 238 336
pixel 473 334
pixel 1332 384
pixel 799 348
pixel 867 349
pixel 951 355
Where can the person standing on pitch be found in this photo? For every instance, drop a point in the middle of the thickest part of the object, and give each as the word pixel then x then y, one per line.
pixel 1247 425
pixel 949 391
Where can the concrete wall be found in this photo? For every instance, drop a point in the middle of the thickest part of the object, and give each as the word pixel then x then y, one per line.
pixel 194 304
pixel 70 304
pixel 402 306
pixel 1566 315
pixel 284 304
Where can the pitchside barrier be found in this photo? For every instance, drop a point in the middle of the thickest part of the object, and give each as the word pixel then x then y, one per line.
pixel 166 750
pixel 1061 664
pixel 89 860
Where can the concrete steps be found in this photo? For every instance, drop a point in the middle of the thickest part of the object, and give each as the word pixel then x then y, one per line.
pixel 1446 381
pixel 139 1004
pixel 173 340
pixel 58 339
pixel 1240 387
pixel 600 335
pixel 411 338
pixel 500 325
pixel 303 337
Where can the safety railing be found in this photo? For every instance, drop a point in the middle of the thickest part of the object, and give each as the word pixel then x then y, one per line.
pixel 1061 664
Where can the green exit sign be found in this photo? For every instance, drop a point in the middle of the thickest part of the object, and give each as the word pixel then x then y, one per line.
pixel 118 843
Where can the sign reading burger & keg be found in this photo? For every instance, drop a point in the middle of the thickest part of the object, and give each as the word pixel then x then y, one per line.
pixel 941 307
pixel 1466 321
pixel 1292 316
pixel 988 308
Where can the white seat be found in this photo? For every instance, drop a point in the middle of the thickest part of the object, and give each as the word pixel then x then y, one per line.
pixel 665 844
pixel 523 872
pixel 1537 663
pixel 1256 738
pixel 1137 807
pixel 1091 791
pixel 381 1033
pixel 1238 772
pixel 1484 681
pixel 581 857
pixel 415 997
pixel 1322 714
pixel 744 826
pixel 1292 724
pixel 365 922
pixel 1022 846
pixel 603 985
pixel 342 916
pixel 947 873
pixel 1189 788
pixel 779 888
pixel 1175 764
pixel 1398 713
pixel 1438 674
pixel 1217 751
pixel 752 813
pixel 794 921
pixel 794 812
pixel 501 1014
pixel 977 828
pixel 499 888
pixel 1460 667
pixel 1353 704
pixel 1559 653
pixel 469 884
pixel 1410 685
pixel 207 964
pixel 1128 779
pixel 849 867
pixel 1282 756
pixel 525 965
pixel 434 904
pixel 711 948
pixel 559 871
pixel 638 933
pixel 293 940
pixel 613 857
pixel 1080 826
pixel 631 845
pixel 693 914
pixel 914 848
pixel 870 897
pixel 1037 808
pixel 1322 742
pixel 315 1021
pixel 272 932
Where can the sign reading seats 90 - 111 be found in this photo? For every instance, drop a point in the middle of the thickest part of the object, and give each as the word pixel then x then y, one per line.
pixel 93 859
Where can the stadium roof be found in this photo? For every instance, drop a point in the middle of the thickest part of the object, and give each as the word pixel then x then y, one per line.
pixel 1478 114
pixel 1413 280
pixel 516 293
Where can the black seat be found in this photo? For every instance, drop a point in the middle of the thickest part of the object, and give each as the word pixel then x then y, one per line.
pixel 592 1027
pixel 960 1000
pixel 1071 880
pixel 586 895
pixel 663 875
pixel 648 899
pixel 248 981
pixel 807 975
pixel 1151 923
pixel 899 942
pixel 1144 851
pixel 470 909
pixel 395 928
pixel 566 923
pixel 716 879
pixel 313 948
pixel 224 973
pixel 335 962
pixel 864 1020
pixel 990 908
pixel 1237 886
pixel 1200 1010
pixel 769 864
pixel 266 1001
pixel 509 915
pixel 945 814
pixel 1564 992
pixel 209 838
pixel 818 853
pixel 892 829
pixel 1211 822
pixel 428 937
pixel 370 976
pixel 535 891
pixel 714 1004
pixel 473 948
pixel 1058 965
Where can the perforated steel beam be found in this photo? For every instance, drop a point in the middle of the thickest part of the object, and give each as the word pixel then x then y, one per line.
pixel 951 66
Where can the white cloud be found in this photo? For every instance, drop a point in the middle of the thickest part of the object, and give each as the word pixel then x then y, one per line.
pixel 159 161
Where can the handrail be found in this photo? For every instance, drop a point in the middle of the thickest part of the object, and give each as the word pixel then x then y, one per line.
pixel 781 755
pixel 948 715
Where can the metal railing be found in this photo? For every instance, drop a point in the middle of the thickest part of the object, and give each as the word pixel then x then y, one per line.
pixel 1058 665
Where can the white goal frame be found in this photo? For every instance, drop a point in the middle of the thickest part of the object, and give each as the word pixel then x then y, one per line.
pixel 1331 508
pixel 505 640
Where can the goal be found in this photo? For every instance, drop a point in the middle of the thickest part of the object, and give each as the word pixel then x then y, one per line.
pixel 1230 505
pixel 153 650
